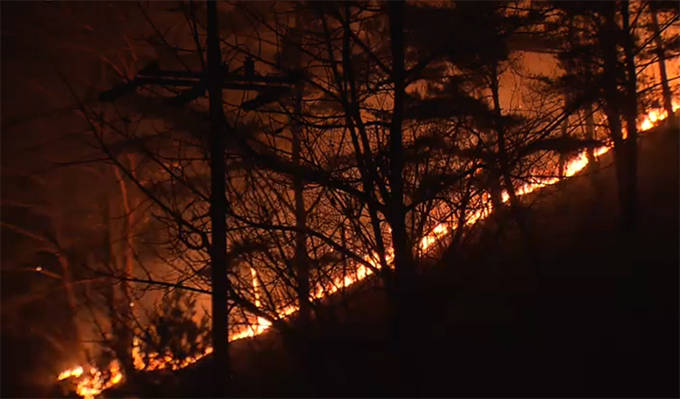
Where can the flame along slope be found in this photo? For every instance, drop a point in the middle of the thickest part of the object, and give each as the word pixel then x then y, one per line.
pixel 90 381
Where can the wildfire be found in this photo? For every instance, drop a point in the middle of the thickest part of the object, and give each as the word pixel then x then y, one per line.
pixel 151 361
pixel 658 114
pixel 93 382
pixel 74 372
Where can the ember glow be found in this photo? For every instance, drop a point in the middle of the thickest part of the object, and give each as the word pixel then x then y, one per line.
pixel 91 383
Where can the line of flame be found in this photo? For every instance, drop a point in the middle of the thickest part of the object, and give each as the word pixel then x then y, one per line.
pixel 92 384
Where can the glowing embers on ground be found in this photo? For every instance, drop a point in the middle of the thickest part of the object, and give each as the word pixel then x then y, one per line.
pixel 93 382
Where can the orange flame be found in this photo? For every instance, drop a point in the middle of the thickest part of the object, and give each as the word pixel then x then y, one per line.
pixel 74 372
pixel 94 382
pixel 656 115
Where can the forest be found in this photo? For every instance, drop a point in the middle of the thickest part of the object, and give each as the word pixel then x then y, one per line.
pixel 354 198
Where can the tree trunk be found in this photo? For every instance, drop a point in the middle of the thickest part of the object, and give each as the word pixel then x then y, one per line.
pixel 126 333
pixel 590 133
pixel 667 97
pixel 67 283
pixel 505 169
pixel 405 300
pixel 502 150
pixel 630 204
pixel 403 259
pixel 613 107
pixel 301 258
pixel 563 158
pixel 495 190
pixel 121 340
pixel 615 129
pixel 364 158
pixel 218 206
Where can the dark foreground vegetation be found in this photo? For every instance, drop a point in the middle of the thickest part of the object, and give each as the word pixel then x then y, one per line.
pixel 598 318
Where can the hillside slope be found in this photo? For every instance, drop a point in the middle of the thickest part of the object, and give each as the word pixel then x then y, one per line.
pixel 602 317
pixel 592 312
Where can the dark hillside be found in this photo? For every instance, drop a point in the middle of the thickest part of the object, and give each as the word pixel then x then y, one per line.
pixel 604 316
pixel 601 318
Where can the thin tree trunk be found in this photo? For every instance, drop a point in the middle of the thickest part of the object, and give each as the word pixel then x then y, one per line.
pixel 590 133
pixel 301 258
pixel 116 314
pixel 504 166
pixel 367 167
pixel 343 242
pixel 495 190
pixel 502 148
pixel 67 283
pixel 630 205
pixel 563 159
pixel 515 206
pixel 126 334
pixel 218 206
pixel 667 98
pixel 615 128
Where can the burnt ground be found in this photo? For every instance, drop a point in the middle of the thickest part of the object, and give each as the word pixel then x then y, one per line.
pixel 600 318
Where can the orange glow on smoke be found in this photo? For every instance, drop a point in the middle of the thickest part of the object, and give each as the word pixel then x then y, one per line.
pixel 93 383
